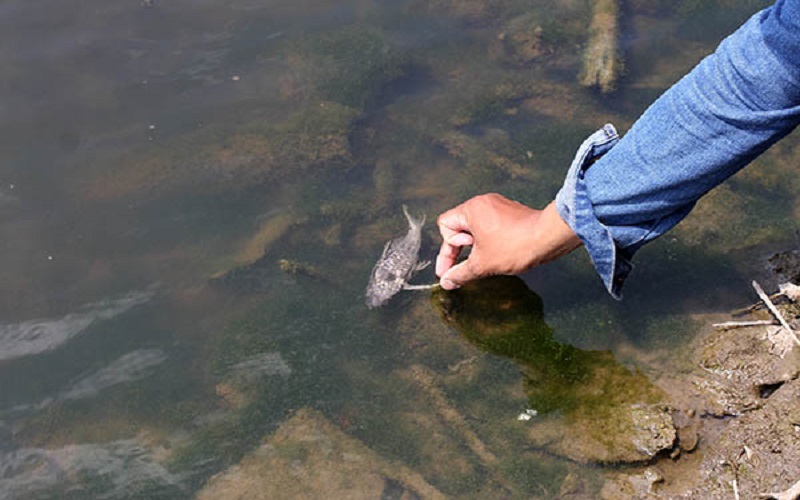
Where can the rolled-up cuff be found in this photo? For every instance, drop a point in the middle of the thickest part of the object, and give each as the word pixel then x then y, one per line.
pixel 575 207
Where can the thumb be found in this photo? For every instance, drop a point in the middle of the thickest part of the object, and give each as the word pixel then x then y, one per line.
pixel 459 275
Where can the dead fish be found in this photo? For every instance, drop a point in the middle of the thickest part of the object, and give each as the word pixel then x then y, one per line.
pixel 397 264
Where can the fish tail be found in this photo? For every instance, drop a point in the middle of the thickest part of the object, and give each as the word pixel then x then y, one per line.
pixel 411 220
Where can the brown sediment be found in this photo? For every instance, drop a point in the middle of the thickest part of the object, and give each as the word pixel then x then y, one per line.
pixel 215 160
pixel 602 61
pixel 258 244
pixel 270 231
pixel 739 428
pixel 490 150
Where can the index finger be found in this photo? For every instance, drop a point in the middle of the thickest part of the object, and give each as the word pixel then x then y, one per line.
pixel 454 228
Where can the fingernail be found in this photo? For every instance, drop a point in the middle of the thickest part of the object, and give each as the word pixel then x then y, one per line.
pixel 449 285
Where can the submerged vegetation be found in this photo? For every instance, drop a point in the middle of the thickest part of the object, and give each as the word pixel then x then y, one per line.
pixel 610 413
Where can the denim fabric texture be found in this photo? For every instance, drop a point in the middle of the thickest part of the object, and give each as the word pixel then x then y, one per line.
pixel 728 110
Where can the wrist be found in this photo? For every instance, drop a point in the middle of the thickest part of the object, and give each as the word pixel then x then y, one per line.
pixel 553 236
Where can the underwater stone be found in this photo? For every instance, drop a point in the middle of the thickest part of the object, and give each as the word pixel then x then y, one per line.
pixel 521 40
pixel 308 457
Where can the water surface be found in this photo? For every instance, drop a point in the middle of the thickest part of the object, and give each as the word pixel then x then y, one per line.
pixel 158 162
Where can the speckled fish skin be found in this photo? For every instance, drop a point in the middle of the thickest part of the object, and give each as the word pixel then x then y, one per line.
pixel 396 265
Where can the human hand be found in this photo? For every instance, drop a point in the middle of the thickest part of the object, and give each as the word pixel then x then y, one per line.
pixel 507 237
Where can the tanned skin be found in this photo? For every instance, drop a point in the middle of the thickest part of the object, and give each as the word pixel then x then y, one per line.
pixel 506 237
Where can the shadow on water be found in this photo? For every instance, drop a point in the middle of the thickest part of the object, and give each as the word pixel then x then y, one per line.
pixel 613 409
pixel 502 316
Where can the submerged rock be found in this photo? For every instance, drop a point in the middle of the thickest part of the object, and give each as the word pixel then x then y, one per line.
pixel 786 265
pixel 308 457
pixel 591 408
pixel 521 40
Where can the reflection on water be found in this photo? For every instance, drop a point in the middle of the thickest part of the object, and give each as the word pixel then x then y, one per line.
pixel 116 469
pixel 251 158
pixel 40 335
pixel 132 366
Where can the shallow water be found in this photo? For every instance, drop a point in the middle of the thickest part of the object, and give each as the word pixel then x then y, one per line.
pixel 157 162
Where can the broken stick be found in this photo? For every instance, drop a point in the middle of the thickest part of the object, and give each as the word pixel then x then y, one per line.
pixel 791 494
pixel 742 324
pixel 774 311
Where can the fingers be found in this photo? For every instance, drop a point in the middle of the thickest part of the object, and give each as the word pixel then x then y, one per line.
pixel 452 222
pixel 454 229
pixel 450 250
pixel 458 275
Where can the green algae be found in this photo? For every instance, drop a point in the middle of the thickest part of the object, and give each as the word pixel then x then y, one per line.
pixel 315 136
pixel 502 316
pixel 617 411
pixel 348 65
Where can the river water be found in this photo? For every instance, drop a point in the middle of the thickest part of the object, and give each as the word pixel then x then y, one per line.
pixel 193 193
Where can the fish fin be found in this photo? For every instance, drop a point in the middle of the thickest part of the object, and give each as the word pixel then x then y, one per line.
pixel 386 248
pixel 411 220
pixel 420 287
pixel 422 265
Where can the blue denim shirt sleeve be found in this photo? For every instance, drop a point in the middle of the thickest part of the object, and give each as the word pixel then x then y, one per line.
pixel 729 109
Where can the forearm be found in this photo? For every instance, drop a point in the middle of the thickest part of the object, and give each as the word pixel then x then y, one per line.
pixel 728 110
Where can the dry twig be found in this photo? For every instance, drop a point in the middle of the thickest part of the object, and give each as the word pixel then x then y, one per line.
pixel 793 493
pixel 775 312
pixel 742 324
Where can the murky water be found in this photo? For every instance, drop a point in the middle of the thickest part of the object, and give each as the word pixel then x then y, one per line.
pixel 192 195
